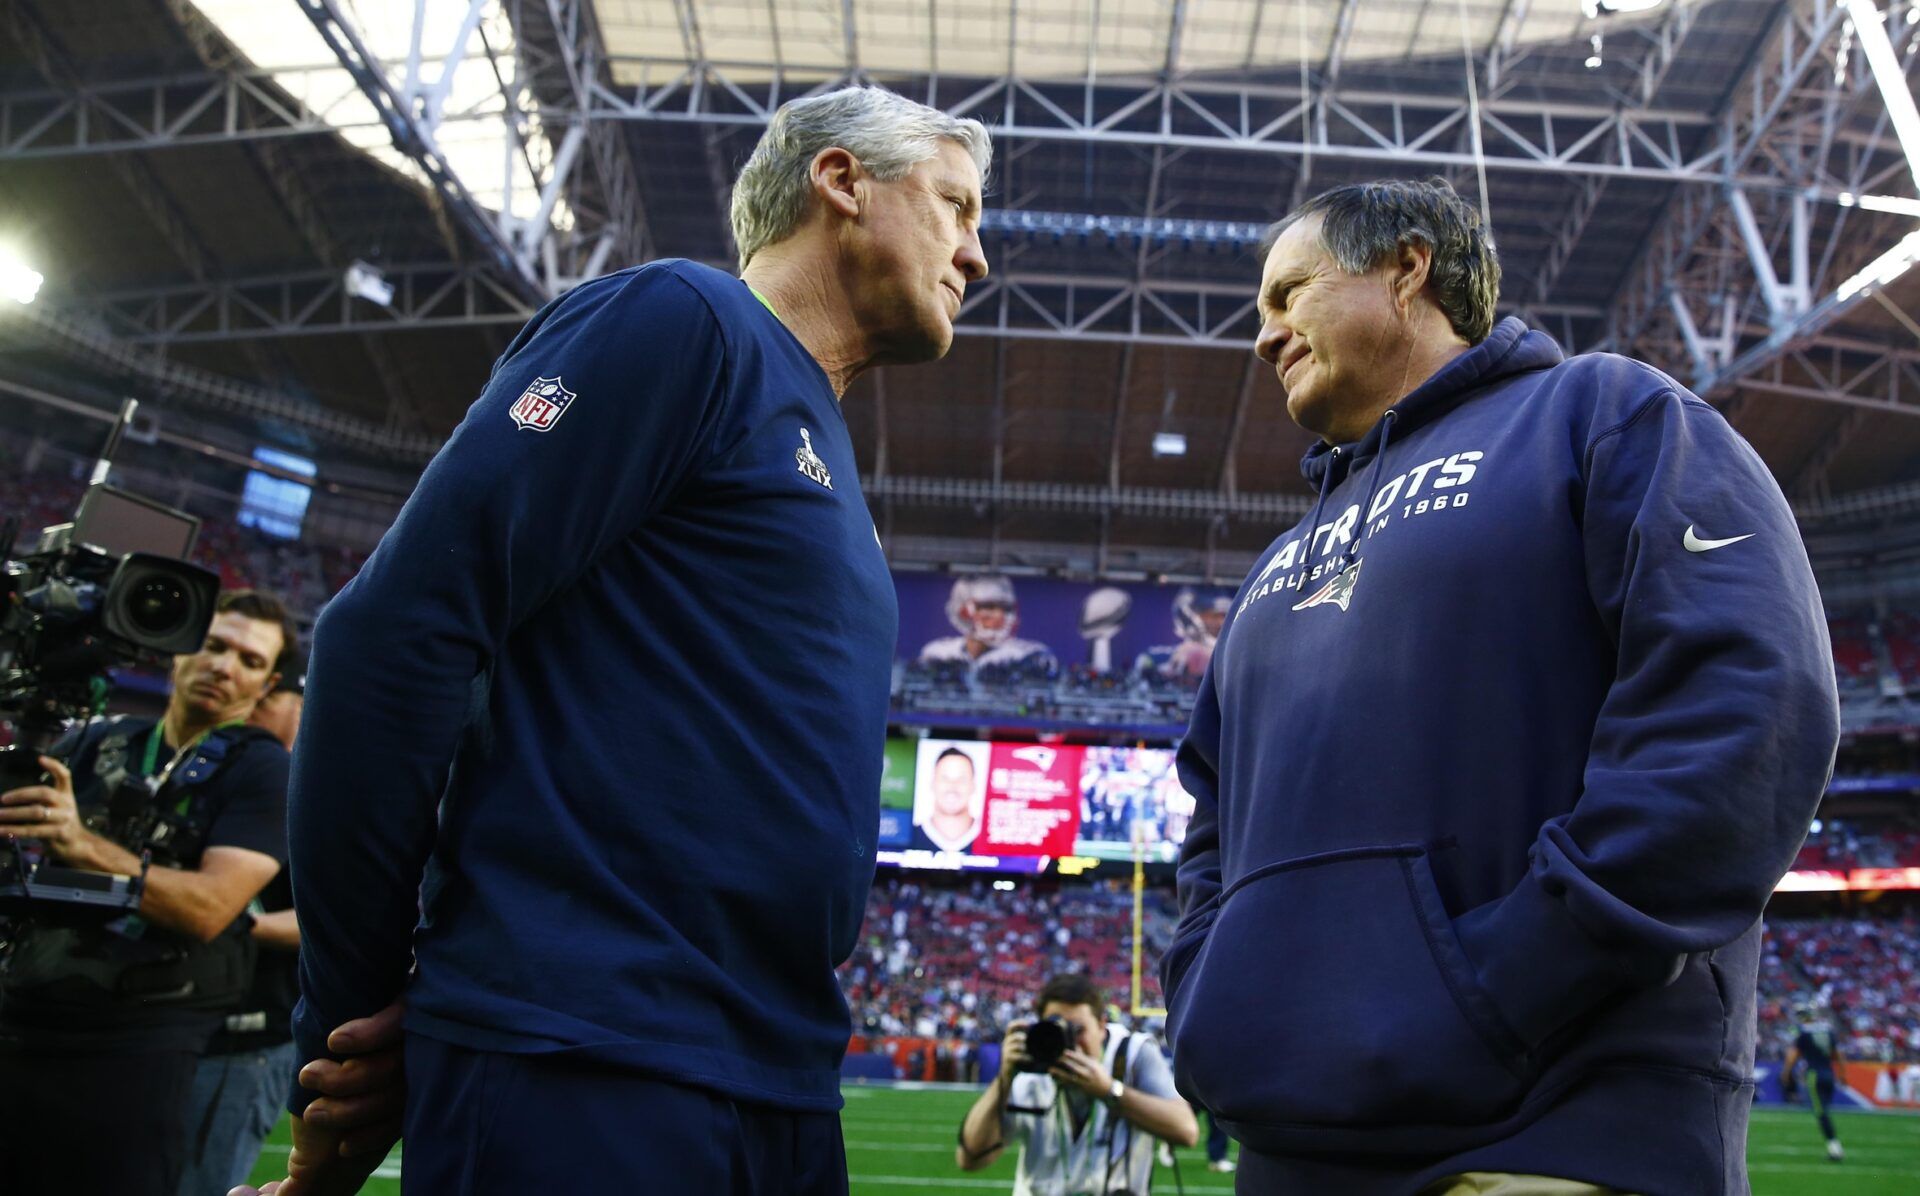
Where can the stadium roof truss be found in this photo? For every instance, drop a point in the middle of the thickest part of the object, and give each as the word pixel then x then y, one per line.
pixel 1711 186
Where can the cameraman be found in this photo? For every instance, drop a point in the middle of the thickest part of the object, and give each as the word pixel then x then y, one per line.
pixel 1086 1124
pixel 100 1026
pixel 241 1082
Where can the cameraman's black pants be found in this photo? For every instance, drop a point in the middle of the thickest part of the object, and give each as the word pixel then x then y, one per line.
pixel 486 1124
pixel 109 1124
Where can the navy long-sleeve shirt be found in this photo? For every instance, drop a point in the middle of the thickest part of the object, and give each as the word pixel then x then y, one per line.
pixel 595 735
pixel 1496 763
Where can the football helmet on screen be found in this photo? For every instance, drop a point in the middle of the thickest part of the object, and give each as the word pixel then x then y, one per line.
pixel 1198 620
pixel 983 608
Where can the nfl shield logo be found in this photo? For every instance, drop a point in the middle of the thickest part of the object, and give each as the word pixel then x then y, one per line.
pixel 541 405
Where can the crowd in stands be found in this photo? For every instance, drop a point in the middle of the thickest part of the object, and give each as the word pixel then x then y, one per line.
pixel 1043 689
pixel 945 961
pixel 1863 971
pixel 1844 845
pixel 1854 662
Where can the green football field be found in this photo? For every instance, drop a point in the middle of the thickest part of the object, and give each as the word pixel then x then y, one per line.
pixel 901 1141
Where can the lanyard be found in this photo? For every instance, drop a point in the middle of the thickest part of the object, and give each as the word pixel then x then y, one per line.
pixel 1099 1116
pixel 152 756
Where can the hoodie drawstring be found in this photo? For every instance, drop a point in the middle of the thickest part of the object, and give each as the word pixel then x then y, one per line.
pixel 1352 551
pixel 1326 485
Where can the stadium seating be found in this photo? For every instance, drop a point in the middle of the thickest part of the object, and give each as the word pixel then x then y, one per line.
pixel 1865 970
pixel 947 962
pixel 1843 845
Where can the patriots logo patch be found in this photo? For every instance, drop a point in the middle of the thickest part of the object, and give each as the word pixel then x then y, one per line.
pixel 542 404
pixel 1338 590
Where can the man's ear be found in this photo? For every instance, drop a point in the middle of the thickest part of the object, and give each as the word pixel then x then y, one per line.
pixel 1412 266
pixel 839 180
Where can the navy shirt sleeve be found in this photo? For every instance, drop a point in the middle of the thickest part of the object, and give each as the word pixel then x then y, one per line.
pixel 1713 745
pixel 515 507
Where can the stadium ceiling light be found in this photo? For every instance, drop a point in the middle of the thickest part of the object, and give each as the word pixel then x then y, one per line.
pixel 1885 268
pixel 1896 204
pixel 1169 444
pixel 18 281
pixel 364 281
pixel 1598 8
pixel 1868 26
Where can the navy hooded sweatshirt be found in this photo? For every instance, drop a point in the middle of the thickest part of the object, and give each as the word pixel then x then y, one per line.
pixel 1499 757
pixel 621 668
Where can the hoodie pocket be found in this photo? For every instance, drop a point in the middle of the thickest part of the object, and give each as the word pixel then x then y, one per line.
pixel 1331 992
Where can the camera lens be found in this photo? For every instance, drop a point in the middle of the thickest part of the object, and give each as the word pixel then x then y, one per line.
pixel 158 605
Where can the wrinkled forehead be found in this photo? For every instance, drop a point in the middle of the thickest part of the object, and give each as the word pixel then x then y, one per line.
pixel 1297 250
pixel 952 167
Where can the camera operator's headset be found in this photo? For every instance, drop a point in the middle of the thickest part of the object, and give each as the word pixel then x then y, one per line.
pixel 1127 1042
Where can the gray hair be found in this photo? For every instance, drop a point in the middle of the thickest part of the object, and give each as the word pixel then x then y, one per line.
pixel 1363 225
pixel 889 133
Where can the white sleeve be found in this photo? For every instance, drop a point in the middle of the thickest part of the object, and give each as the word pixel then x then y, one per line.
pixel 1029 1090
pixel 1148 1071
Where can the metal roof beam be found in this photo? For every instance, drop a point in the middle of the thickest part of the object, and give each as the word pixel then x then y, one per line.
pixel 1016 304
pixel 295 191
pixel 1724 242
pixel 413 138
pixel 605 198
pixel 1663 50
pixel 84 341
pixel 1790 80
pixel 1063 498
pixel 1813 482
pixel 1407 131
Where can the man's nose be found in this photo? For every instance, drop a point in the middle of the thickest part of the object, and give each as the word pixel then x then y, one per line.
pixel 1272 341
pixel 972 258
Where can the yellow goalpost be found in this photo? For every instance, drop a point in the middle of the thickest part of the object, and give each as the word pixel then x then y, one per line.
pixel 1139 920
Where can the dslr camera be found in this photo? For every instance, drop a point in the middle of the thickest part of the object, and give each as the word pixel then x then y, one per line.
pixel 1047 1040
pixel 108 590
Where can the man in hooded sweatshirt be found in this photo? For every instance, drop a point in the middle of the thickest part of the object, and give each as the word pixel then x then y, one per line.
pixel 1500 752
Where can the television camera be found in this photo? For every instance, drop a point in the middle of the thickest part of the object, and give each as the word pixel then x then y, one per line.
pixel 105 591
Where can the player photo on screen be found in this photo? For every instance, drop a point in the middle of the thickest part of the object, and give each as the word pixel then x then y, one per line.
pixel 949 794
pixel 1124 789
pixel 986 613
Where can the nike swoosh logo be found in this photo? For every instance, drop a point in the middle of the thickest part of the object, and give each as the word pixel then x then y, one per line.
pixel 1694 543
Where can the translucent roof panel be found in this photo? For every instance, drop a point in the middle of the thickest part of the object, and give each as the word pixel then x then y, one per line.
pixel 1067 39
pixel 473 136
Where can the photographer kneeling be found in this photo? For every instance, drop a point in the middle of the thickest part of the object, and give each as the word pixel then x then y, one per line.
pixel 1085 1100
pixel 101 1024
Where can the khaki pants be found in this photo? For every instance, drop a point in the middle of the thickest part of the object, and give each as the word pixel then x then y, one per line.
pixel 1490 1183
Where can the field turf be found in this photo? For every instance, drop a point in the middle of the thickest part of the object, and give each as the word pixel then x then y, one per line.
pixel 901 1142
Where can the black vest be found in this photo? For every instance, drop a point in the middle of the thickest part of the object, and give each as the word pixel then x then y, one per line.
pixel 130 959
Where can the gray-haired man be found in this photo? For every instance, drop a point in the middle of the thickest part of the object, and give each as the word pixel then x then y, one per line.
pixel 1499 755
pixel 605 698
